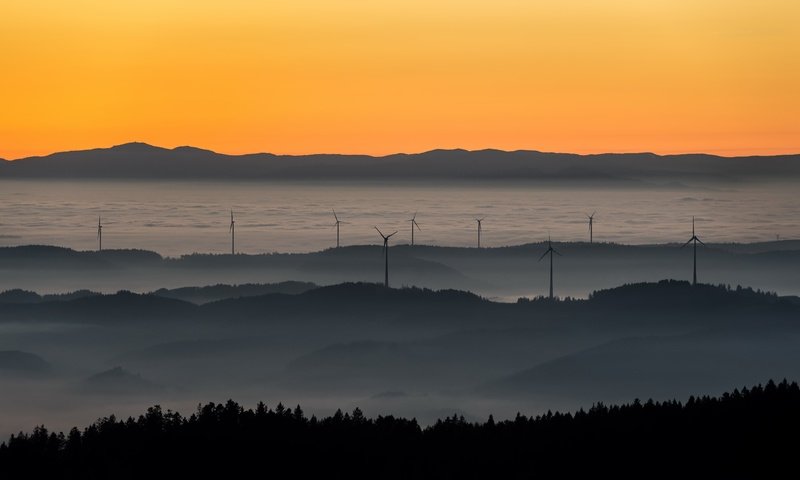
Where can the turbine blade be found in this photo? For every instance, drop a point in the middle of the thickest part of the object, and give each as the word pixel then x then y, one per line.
pixel 390 235
pixel 701 242
pixel 687 243
pixel 557 253
pixel 334 214
pixel 379 232
pixel 544 255
pixel 417 224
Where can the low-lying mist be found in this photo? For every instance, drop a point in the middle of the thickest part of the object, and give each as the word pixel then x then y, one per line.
pixel 66 360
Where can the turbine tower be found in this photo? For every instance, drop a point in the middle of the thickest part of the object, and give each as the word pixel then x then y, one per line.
pixel 99 235
pixel 550 250
pixel 695 241
pixel 591 223
pixel 414 224
pixel 233 234
pixel 338 222
pixel 386 255
pixel 479 220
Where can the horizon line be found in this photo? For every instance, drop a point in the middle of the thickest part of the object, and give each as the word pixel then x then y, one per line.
pixel 542 242
pixel 422 152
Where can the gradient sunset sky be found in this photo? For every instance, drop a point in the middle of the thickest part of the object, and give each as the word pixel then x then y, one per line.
pixel 378 76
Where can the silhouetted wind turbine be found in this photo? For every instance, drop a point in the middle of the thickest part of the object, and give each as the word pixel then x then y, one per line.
pixel 551 251
pixel 338 222
pixel 591 222
pixel 386 255
pixel 99 235
pixel 413 224
pixel 479 220
pixel 233 234
pixel 694 240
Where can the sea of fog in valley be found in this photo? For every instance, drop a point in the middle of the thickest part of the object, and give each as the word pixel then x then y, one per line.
pixel 176 218
pixel 327 341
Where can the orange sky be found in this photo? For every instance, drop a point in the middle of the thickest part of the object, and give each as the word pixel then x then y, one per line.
pixel 381 76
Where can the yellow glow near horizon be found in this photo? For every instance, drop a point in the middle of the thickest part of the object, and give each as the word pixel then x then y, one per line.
pixel 384 76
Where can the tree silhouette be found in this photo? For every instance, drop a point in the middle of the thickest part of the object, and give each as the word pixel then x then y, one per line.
pixel 748 433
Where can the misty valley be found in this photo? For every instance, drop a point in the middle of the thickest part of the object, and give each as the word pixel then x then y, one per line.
pixel 331 341
pixel 451 314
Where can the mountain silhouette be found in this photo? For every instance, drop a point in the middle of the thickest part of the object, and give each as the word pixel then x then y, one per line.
pixel 15 362
pixel 212 293
pixel 140 160
pixel 25 296
pixel 655 366
pixel 196 295
pixel 501 272
pixel 669 302
pixel 118 381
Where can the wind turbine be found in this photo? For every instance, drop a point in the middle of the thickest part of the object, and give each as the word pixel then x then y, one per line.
pixel 233 234
pixel 413 224
pixel 386 255
pixel 99 235
pixel 338 222
pixel 551 251
pixel 591 222
pixel 479 220
pixel 694 240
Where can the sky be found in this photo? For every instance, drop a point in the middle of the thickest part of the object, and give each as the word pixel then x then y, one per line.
pixel 386 76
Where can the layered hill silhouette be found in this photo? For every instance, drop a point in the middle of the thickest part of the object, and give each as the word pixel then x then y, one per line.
pixel 15 362
pixel 197 295
pixel 140 160
pixel 371 303
pixel 441 348
pixel 656 366
pixel 213 293
pixel 118 381
pixel 501 272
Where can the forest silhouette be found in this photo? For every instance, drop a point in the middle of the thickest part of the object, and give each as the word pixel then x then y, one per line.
pixel 748 433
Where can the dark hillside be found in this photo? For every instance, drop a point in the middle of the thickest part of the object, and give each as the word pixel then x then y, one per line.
pixel 744 434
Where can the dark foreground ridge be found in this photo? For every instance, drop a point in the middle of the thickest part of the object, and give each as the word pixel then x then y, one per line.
pixel 744 434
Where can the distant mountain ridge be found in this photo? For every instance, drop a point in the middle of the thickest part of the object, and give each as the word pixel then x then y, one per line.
pixel 143 161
